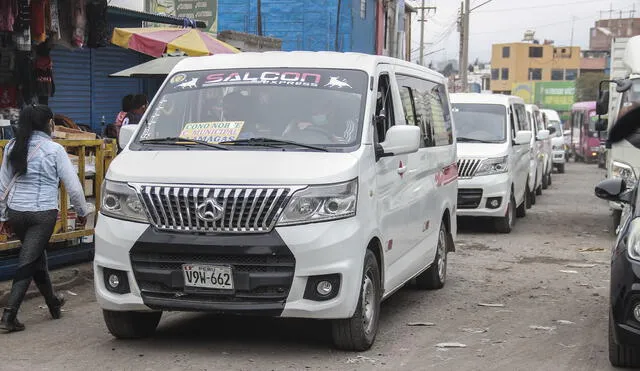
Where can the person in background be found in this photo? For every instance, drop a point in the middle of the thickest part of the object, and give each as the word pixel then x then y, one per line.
pixel 126 107
pixel 139 104
pixel 32 167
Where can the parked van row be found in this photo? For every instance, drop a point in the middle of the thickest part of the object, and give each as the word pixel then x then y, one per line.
pixel 505 156
pixel 287 184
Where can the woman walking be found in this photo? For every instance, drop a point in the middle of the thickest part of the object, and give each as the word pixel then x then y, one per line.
pixel 32 167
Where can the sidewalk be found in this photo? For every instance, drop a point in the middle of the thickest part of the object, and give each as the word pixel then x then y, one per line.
pixel 63 279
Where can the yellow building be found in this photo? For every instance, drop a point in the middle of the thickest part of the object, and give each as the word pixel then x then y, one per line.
pixel 521 64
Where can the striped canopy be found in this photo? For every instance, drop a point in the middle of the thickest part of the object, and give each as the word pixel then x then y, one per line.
pixel 157 41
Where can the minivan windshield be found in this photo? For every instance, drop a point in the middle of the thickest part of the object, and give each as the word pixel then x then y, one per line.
pixel 269 108
pixel 476 122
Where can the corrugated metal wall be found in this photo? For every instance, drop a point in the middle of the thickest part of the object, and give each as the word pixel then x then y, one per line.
pixel 301 24
pixel 72 76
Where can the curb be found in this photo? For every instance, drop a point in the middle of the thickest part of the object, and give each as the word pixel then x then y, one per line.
pixel 77 280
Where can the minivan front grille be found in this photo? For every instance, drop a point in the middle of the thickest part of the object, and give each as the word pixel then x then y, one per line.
pixel 469 198
pixel 227 209
pixel 467 167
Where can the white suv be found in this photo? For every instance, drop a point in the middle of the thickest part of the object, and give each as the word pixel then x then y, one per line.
pixel 494 157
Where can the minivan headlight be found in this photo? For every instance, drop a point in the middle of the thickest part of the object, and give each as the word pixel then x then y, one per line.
pixel 633 242
pixel 493 166
pixel 120 201
pixel 321 203
pixel 623 171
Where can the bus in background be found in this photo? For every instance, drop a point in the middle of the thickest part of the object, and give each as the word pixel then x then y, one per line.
pixel 585 139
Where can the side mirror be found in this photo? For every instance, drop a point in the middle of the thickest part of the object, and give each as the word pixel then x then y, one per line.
pixel 602 124
pixel 543 135
pixel 613 190
pixel 552 130
pixel 523 137
pixel 400 139
pixel 602 104
pixel 126 133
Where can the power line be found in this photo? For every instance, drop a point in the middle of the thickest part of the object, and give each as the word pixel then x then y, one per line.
pixel 538 7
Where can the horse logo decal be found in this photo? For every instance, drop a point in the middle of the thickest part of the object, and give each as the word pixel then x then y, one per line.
pixel 335 82
pixel 189 84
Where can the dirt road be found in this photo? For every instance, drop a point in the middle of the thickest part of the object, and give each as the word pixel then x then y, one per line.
pixel 553 313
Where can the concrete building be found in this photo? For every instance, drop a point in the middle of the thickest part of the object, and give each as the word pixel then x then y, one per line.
pixel 525 62
pixel 593 61
pixel 606 29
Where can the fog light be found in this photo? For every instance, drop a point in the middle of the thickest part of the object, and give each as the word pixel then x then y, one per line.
pixel 324 288
pixel 636 312
pixel 494 202
pixel 114 281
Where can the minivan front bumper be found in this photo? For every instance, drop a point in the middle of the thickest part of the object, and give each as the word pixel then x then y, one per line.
pixel 476 194
pixel 270 270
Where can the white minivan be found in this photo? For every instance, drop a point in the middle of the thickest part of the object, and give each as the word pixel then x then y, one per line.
pixel 494 158
pixel 541 167
pixel 558 148
pixel 290 184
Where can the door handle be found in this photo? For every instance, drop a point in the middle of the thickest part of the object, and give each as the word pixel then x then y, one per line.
pixel 402 170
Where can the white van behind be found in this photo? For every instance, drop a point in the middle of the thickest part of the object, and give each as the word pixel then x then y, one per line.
pixel 291 184
pixel 558 148
pixel 494 158
pixel 540 169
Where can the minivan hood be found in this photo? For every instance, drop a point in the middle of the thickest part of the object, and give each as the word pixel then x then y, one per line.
pixel 482 150
pixel 233 167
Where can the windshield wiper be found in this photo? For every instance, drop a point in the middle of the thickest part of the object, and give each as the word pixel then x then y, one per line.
pixel 268 142
pixel 473 140
pixel 178 141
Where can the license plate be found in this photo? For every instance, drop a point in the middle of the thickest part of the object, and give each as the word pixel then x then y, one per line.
pixel 208 276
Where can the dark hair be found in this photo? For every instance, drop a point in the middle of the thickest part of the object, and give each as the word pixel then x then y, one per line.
pixel 138 101
pixel 127 102
pixel 35 117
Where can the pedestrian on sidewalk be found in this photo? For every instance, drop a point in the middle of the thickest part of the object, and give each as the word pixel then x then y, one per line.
pixel 32 168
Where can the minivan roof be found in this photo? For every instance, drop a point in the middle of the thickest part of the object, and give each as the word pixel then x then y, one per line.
pixel 485 98
pixel 300 59
pixel 551 114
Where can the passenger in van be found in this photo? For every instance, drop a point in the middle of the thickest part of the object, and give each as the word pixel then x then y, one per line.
pixel 139 104
pixel 323 119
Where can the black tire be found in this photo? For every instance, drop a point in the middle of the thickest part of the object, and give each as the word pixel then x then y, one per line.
pixel 131 325
pixel 352 334
pixel 505 224
pixel 549 178
pixel 622 355
pixel 561 168
pixel 521 211
pixel 545 181
pixel 435 277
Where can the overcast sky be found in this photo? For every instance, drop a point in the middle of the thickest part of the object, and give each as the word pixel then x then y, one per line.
pixel 506 21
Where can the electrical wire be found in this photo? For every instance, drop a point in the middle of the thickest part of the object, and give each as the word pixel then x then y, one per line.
pixel 538 7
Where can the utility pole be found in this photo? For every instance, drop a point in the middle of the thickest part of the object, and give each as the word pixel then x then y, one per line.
pixel 422 22
pixel 462 34
pixel 465 45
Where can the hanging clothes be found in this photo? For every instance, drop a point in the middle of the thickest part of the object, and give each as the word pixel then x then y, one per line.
pixel 98 34
pixel 43 70
pixel 8 96
pixel 55 19
pixel 23 18
pixel 8 14
pixel 39 11
pixel 65 8
pixel 79 22
pixel 7 65
pixel 25 77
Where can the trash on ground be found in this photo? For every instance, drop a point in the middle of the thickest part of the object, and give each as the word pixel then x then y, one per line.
pixel 360 359
pixel 566 271
pixel 567 346
pixel 451 345
pixel 475 330
pixel 421 324
pixel 592 249
pixel 491 305
pixel 542 328
pixel 71 293
pixel 580 265
pixel 565 322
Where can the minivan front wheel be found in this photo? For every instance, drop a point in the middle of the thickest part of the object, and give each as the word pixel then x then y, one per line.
pixel 359 332
pixel 131 325
pixel 505 224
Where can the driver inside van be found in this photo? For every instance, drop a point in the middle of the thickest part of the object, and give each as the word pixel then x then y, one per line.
pixel 322 119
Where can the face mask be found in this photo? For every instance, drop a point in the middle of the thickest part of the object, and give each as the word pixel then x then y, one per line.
pixel 319 119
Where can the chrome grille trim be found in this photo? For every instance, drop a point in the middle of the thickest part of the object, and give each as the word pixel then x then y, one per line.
pixel 467 167
pixel 247 209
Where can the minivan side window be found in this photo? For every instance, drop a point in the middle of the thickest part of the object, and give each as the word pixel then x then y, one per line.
pixel 431 107
pixel 512 119
pixel 406 96
pixel 521 117
pixel 383 102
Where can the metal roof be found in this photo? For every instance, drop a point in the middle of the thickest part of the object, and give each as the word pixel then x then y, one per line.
pixel 148 17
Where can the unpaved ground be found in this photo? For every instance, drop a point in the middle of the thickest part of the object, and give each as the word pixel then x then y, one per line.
pixel 522 271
